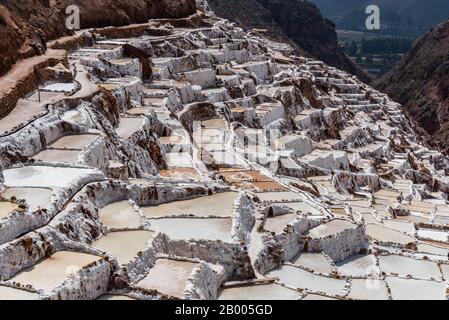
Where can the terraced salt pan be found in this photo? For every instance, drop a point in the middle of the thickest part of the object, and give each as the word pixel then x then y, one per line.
pixel 178 159
pixel 8 293
pixel 119 215
pixel 315 261
pixel 259 292
pixel 278 223
pixel 411 289
pixel 77 142
pixel 35 197
pixel 52 271
pixel 368 289
pixel 217 205
pixel 128 126
pixel 358 266
pixel 6 208
pixel 168 277
pixel 401 226
pixel 403 266
pixel 431 249
pixel 60 87
pixel 43 176
pixel 124 245
pixel 330 228
pixel 197 229
pixel 434 235
pixel 56 155
pixel 380 233
pixel 298 278
pixel 278 196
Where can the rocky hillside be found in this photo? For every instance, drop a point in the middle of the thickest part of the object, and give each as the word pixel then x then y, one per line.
pixel 420 83
pixel 26 25
pixel 300 21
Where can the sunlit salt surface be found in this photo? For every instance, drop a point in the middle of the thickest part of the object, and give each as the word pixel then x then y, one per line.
pixel 60 87
pixel 380 233
pixel 56 155
pixel 393 264
pixel 168 277
pixel 43 176
pixel 401 226
pixel 298 278
pixel 124 245
pixel 197 229
pixel 279 196
pixel 330 228
pixel 119 215
pixel 259 292
pixel 434 235
pixel 8 293
pixel 445 271
pixel 358 266
pixel 74 141
pixel 128 126
pixel 217 205
pixel 52 271
pixel 315 261
pixel 35 197
pixel 411 289
pixel 368 289
pixel 278 223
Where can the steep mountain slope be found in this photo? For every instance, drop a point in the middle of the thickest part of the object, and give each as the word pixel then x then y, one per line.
pixel 26 25
pixel 298 20
pixel 420 82
pixel 398 17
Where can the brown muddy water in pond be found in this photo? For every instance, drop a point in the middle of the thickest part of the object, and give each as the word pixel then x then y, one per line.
pixel 171 140
pixel 50 272
pixel 7 293
pixel 168 277
pixel 197 229
pixel 215 123
pixel 128 126
pixel 35 197
pixel 243 175
pixel 56 155
pixel 259 292
pixel 124 245
pixel 6 208
pixel 119 215
pixel 74 141
pixel 217 205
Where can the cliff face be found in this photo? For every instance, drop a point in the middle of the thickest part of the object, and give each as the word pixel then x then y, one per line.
pixel 421 83
pixel 297 20
pixel 26 25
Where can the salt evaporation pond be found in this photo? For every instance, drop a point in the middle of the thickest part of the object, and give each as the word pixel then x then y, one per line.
pixel 217 205
pixel 52 271
pixel 6 208
pixel 43 176
pixel 368 289
pixel 77 142
pixel 314 261
pixel 278 223
pixel 56 155
pixel 191 228
pixel 119 215
pixel 298 278
pixel 35 197
pixel 168 277
pixel 124 245
pixel 259 292
pixel 8 293
pixel 60 87
pixel 411 289
pixel 128 126
pixel 393 264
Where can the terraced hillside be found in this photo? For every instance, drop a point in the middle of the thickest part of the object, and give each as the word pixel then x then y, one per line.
pixel 184 158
